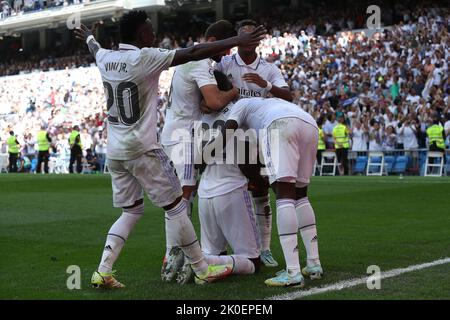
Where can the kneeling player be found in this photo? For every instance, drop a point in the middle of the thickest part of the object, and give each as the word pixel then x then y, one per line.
pixel 290 146
pixel 226 210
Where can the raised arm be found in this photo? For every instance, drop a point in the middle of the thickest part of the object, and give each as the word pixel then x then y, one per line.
pixel 206 50
pixel 84 34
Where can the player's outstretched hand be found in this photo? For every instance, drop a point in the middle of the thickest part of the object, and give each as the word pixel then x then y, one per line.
pixel 83 32
pixel 250 39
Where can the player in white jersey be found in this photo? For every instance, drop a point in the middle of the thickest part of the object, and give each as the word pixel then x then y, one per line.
pixel 191 83
pixel 289 144
pixel 252 75
pixel 225 209
pixel 136 160
pixel 255 77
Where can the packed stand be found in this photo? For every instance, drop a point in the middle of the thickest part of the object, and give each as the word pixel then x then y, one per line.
pixel 17 7
pixel 389 86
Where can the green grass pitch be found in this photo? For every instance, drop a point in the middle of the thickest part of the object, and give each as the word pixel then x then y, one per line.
pixel 48 223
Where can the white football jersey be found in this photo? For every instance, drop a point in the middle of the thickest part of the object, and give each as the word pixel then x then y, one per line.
pixel 185 96
pixel 219 179
pixel 130 77
pixel 234 68
pixel 259 113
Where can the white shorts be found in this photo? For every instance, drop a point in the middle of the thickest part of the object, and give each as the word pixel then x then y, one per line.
pixel 229 219
pixel 182 156
pixel 290 149
pixel 152 172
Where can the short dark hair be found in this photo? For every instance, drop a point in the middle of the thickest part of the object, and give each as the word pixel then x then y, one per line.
pixel 129 24
pixel 320 121
pixel 247 22
pixel 220 30
pixel 11 132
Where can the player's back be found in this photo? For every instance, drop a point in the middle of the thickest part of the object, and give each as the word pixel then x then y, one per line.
pixel 218 179
pixel 259 113
pixel 183 108
pixel 130 77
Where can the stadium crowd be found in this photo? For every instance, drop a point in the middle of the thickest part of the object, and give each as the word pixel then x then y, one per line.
pixel 389 85
pixel 16 7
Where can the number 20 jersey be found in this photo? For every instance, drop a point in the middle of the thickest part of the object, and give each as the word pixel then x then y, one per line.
pixel 130 77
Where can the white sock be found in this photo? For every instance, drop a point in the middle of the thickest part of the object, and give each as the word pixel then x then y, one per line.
pixel 287 231
pixel 241 265
pixel 189 203
pixel 264 221
pixel 180 233
pixel 308 230
pixel 117 236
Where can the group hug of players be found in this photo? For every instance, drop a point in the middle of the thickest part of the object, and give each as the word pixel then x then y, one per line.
pixel 225 93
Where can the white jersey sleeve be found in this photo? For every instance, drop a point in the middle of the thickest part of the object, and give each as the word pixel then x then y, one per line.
pixel 156 60
pixel 183 109
pixel 276 77
pixel 203 74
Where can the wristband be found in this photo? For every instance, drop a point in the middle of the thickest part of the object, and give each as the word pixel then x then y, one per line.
pixel 269 86
pixel 91 37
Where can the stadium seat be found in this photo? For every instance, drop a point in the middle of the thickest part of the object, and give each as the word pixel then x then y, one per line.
pixel 400 165
pixel 329 159
pixel 447 166
pixel 434 162
pixel 375 164
pixel 422 160
pixel 4 162
pixel 389 162
pixel 360 165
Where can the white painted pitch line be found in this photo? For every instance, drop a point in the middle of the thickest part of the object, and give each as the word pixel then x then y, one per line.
pixel 375 180
pixel 355 282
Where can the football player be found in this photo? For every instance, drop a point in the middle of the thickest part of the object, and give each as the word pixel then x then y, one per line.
pixel 191 83
pixel 225 208
pixel 289 145
pixel 255 77
pixel 136 160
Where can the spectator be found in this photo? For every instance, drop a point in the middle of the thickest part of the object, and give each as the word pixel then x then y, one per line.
pixel 408 131
pixel 375 137
pixel 359 137
pixel 389 139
